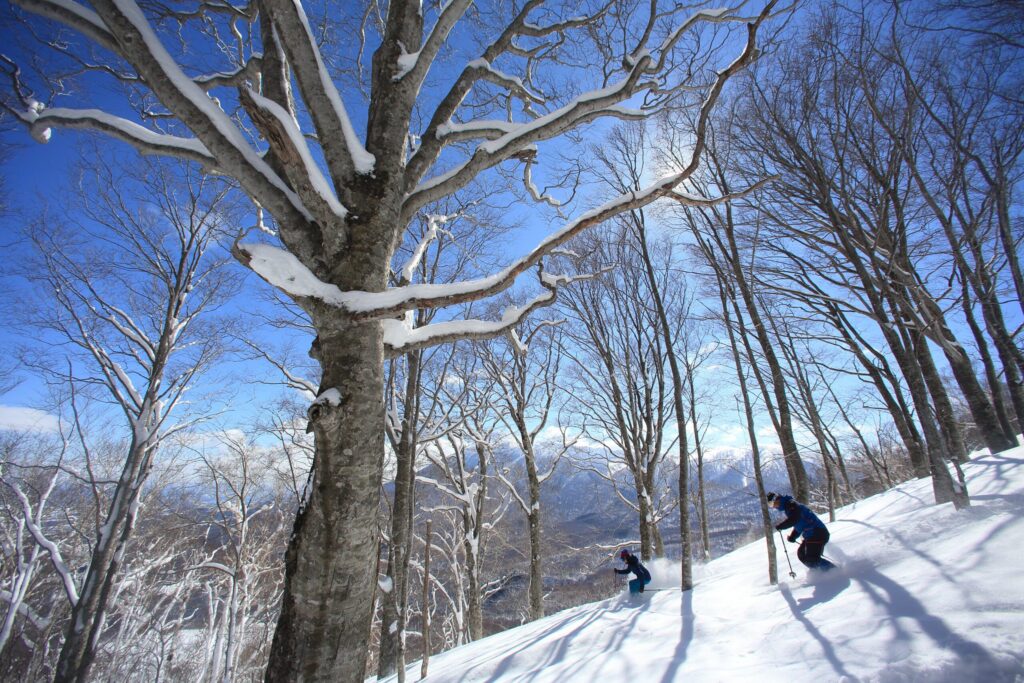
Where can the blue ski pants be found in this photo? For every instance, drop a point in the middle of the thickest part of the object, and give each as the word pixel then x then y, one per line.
pixel 637 585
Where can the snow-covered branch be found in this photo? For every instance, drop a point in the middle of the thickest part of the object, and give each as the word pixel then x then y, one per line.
pixel 247 72
pixel 186 100
pixel 322 98
pixel 586 107
pixel 282 132
pixel 74 16
pixel 424 57
pixel 56 558
pixel 472 73
pixel 399 337
pixel 40 121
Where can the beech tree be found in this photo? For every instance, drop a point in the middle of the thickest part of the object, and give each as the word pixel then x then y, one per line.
pixel 620 383
pixel 126 282
pixel 443 247
pixel 525 372
pixel 261 93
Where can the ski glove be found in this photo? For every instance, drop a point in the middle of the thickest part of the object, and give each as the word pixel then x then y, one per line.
pixel 792 537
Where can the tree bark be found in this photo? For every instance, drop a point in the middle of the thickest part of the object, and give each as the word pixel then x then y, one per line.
pixel 748 411
pixel 391 658
pixel 81 638
pixel 782 417
pixel 686 563
pixel 322 633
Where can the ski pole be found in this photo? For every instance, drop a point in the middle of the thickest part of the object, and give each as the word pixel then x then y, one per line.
pixel 792 574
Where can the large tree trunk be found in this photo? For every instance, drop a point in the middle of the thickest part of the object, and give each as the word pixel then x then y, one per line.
pixel 894 400
pixel 323 630
pixel 945 417
pixel 978 402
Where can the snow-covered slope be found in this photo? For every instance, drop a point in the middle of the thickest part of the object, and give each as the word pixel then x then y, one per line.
pixel 924 593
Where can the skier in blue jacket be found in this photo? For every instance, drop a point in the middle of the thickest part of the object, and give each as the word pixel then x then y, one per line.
pixel 643 577
pixel 805 524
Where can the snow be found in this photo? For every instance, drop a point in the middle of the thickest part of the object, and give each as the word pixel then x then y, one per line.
pixel 331 397
pixel 923 593
pixel 189 89
pixel 406 63
pixel 128 129
pixel 291 128
pixel 399 333
pixel 361 159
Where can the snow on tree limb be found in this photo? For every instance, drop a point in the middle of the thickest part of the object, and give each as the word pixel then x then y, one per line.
pixel 319 92
pixel 450 15
pixel 587 107
pixel 283 134
pixel 537 195
pixel 488 129
pixel 184 98
pixel 56 558
pixel 140 137
pixel 432 145
pixel 248 71
pixel 400 338
pixel 284 271
pixel 433 221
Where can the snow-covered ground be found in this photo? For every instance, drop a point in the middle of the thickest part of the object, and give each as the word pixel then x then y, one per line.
pixel 924 593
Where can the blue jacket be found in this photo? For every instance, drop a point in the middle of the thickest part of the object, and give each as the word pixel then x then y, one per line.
pixel 798 516
pixel 633 565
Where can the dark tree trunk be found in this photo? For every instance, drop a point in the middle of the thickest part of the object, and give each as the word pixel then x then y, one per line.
pixel 894 400
pixel 686 569
pixel 945 417
pixel 748 411
pixel 784 421
pixel 533 519
pixel 323 630
pixel 391 659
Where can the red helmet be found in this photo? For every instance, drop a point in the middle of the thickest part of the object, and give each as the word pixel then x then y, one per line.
pixel 624 553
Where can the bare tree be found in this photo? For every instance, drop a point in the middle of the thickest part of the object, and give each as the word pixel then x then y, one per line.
pixel 729 304
pixel 132 310
pixel 460 471
pixel 243 569
pixel 525 373
pixel 28 479
pixel 624 161
pixel 340 202
pixel 621 386
pixel 444 247
pixel 833 220
pixel 965 161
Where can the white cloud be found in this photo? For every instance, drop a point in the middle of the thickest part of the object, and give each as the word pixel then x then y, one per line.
pixel 22 419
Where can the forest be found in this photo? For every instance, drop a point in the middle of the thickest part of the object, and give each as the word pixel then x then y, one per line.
pixel 340 334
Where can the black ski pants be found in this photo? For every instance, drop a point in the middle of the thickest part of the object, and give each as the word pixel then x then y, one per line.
pixel 812 548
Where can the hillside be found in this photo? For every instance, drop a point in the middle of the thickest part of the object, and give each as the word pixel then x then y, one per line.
pixel 924 593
